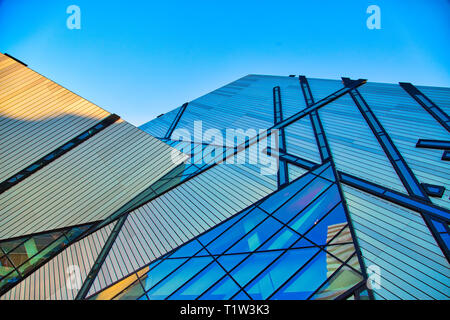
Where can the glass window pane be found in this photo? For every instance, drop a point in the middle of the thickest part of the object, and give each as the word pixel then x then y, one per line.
pixel 224 290
pixel 178 278
pixel 248 269
pixel 263 286
pixel 306 281
pixel 256 237
pixel 237 231
pixel 200 283
pixel 160 271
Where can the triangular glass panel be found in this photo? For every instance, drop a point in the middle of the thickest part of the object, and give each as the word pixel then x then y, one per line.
pixel 230 261
pixel 241 296
pixel 306 281
pixel 339 233
pixel 177 278
pixel 283 239
pixel 303 243
pixel 223 290
pixel 233 234
pixel 338 254
pixel 343 280
pixel 200 283
pixel 160 271
pixel 325 228
pixel 187 250
pixel 257 236
pixel 277 199
pixel 279 272
pixel 301 200
pixel 328 174
pixel 313 213
pixel 253 265
pixel 20 257
pixel 133 292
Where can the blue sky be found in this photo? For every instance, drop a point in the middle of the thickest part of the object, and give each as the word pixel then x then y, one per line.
pixel 143 58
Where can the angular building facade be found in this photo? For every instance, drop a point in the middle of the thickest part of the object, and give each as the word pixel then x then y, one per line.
pixel 278 188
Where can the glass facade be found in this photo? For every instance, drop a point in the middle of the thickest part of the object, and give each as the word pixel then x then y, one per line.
pixel 356 208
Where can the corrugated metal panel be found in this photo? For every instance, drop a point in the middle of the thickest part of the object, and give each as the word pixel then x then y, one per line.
pixel 397 240
pixel 400 115
pixel 37 116
pixel 320 88
pixel 88 183
pixel 158 127
pixel 301 142
pixel 440 96
pixel 181 214
pixel 355 149
pixel 54 281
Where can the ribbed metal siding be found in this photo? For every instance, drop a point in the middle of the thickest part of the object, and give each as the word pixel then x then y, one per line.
pixel 301 142
pixel 397 240
pixel 406 122
pixel 88 183
pixel 50 281
pixel 37 116
pixel 440 96
pixel 354 147
pixel 179 215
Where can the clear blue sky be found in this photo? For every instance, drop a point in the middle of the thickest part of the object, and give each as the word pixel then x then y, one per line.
pixel 143 58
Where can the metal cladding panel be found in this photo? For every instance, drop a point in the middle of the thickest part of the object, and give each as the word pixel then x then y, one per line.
pixel 61 277
pixel 397 241
pixel 245 103
pixel 355 149
pixel 320 88
pixel 158 127
pixel 37 116
pixel 88 183
pixel 300 140
pixel 440 96
pixel 180 215
pixel 400 115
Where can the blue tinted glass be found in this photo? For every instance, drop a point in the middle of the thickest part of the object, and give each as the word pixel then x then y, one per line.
pixel 282 240
pixel 216 231
pixel 202 253
pixel 253 265
pixel 256 237
pixel 328 226
pixel 342 281
pixel 303 242
pixel 200 283
pixel 178 278
pixel 224 290
pixel 263 286
pixel 316 210
pixel 439 226
pixel 328 174
pixel 187 250
pixel 306 281
pixel 230 261
pixel 301 200
pixel 237 231
pixel 131 293
pixel 277 199
pixel 446 238
pixel 320 169
pixel 241 296
pixel 160 271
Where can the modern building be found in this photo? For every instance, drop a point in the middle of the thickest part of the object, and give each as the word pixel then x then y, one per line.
pixel 328 189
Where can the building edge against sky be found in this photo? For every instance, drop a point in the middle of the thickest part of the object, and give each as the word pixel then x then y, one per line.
pixel 94 208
